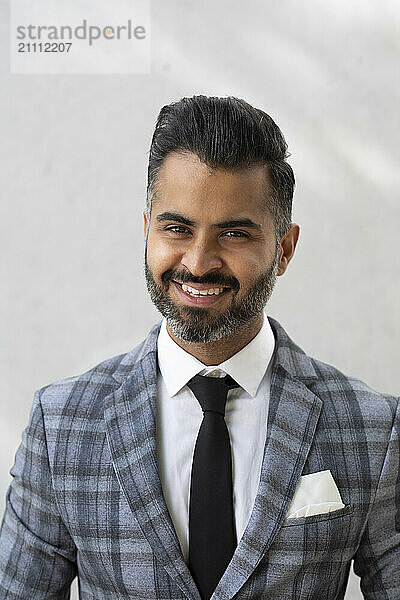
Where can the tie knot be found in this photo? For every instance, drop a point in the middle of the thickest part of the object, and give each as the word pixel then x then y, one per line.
pixel 212 392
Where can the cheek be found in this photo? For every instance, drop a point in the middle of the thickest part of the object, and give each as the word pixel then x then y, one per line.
pixel 246 266
pixel 160 255
pixel 249 272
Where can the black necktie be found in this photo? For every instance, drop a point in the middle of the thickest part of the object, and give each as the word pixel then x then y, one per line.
pixel 212 537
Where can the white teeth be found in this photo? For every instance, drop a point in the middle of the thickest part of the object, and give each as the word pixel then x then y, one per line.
pixel 195 292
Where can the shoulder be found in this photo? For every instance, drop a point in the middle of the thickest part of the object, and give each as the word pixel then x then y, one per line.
pixel 83 393
pixel 345 393
pixel 345 398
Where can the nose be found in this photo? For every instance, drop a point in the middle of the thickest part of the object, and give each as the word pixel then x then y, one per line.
pixel 201 257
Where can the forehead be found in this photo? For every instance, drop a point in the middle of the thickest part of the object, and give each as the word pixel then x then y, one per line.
pixel 187 184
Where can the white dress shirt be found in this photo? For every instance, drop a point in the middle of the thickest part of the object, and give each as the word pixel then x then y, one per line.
pixel 179 416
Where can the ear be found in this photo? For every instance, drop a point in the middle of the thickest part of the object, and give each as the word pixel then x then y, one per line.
pixel 287 247
pixel 145 223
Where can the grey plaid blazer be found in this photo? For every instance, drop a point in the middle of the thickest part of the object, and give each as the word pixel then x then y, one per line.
pixel 86 499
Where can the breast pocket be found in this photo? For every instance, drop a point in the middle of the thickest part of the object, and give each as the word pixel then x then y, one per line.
pixel 335 514
pixel 314 551
pixel 317 546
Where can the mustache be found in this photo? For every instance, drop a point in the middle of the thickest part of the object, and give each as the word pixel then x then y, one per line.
pixel 211 279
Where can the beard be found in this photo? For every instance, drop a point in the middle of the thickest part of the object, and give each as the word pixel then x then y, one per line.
pixel 198 324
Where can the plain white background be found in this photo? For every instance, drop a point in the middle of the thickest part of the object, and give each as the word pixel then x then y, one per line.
pixel 74 158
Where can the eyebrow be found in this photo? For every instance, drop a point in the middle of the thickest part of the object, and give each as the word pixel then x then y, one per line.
pixel 172 216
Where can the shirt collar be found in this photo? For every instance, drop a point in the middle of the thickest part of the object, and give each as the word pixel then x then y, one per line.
pixel 247 367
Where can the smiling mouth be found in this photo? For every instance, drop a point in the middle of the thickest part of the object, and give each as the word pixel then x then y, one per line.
pixel 217 289
pixel 198 299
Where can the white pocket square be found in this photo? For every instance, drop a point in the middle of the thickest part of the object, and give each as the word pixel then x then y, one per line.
pixel 315 494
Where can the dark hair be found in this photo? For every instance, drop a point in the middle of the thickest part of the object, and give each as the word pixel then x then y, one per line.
pixel 225 133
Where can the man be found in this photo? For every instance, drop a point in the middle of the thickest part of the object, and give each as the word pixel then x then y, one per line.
pixel 215 459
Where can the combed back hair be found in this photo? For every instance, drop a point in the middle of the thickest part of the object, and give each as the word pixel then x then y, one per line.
pixel 226 133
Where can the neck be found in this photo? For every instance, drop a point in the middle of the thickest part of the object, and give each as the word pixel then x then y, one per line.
pixel 214 353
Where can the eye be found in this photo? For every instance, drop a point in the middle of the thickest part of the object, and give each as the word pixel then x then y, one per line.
pixel 240 233
pixel 175 227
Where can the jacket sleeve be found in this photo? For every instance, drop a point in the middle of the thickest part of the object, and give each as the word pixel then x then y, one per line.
pixel 377 561
pixel 37 554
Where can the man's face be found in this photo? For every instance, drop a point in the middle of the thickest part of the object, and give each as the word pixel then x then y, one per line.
pixel 193 239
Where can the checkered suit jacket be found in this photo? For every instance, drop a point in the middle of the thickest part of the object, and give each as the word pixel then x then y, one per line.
pixel 86 498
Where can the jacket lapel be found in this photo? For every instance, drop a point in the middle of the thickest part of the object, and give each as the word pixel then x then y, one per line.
pixel 293 415
pixel 130 416
pixel 292 419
